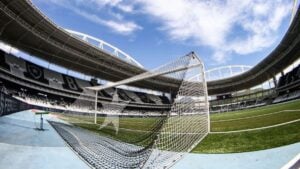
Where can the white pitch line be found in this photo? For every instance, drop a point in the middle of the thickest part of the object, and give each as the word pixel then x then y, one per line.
pixel 259 128
pixel 242 118
pixel 147 131
pixel 224 132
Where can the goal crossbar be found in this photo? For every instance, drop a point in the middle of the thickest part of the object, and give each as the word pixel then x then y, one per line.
pixel 144 76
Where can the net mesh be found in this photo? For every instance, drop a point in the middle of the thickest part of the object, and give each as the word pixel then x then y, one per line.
pixel 127 136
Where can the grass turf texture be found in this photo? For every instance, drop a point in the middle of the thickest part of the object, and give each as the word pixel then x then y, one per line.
pixel 131 129
pixel 255 118
pixel 294 105
pixel 251 140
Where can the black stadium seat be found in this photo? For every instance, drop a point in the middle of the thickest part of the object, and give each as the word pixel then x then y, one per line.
pixel 124 96
pixel 289 77
pixel 3 63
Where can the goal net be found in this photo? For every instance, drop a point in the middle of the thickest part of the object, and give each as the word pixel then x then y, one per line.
pixel 134 130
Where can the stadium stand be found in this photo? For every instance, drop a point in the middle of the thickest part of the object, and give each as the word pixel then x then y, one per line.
pixel 225 103
pixel 62 90
pixel 290 79
pixel 69 89
pixel 288 96
pixel 289 86
pixel 134 96
pixel 33 72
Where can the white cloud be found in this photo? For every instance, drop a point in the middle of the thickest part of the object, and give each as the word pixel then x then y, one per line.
pixel 227 27
pixel 89 9
pixel 126 8
pixel 212 23
pixel 121 27
pixel 100 4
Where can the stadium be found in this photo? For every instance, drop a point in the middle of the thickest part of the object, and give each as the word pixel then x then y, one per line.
pixel 72 100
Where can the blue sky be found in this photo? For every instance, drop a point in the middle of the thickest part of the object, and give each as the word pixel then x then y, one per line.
pixel 155 31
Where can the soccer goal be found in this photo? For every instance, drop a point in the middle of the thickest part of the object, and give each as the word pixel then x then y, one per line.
pixel 130 136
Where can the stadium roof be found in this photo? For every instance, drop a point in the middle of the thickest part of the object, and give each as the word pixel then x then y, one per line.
pixel 26 28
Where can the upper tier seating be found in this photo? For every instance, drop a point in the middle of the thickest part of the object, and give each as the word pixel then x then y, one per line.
pixel 144 97
pixel 289 78
pixel 133 96
pixel 288 86
pixel 155 98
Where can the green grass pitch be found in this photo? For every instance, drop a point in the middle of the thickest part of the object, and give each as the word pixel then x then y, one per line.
pixel 130 129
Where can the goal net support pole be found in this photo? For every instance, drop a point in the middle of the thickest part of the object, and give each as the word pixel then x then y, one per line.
pixel 96 106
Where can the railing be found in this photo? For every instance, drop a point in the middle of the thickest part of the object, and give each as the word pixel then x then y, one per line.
pixel 104 46
pixel 225 72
